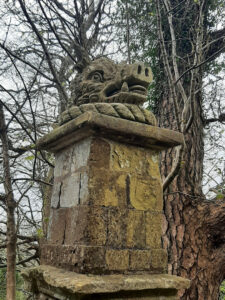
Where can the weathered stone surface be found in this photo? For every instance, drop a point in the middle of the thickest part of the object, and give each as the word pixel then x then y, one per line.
pixel 78 258
pixel 146 194
pixel 80 155
pixel 74 283
pixel 86 225
pixel 70 177
pixel 153 225
pixel 107 188
pixel 136 229
pixel 133 159
pixel 70 191
pixel 159 259
pixel 100 151
pixel 63 162
pixel 140 259
pixel 105 81
pixel 110 199
pixel 83 189
pixel 117 260
pixel 55 199
pixel 91 123
pixel 57 226
pixel 117 228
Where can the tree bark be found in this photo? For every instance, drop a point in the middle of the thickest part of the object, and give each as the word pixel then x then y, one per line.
pixel 11 205
pixel 193 228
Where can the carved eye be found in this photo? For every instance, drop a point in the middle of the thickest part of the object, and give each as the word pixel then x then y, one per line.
pixel 97 76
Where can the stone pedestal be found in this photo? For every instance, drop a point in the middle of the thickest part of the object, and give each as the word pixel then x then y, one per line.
pixel 106 211
pixel 53 283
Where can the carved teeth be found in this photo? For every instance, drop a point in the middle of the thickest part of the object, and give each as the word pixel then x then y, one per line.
pixel 124 87
pixel 138 89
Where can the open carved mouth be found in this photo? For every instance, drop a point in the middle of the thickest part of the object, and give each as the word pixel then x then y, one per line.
pixel 137 89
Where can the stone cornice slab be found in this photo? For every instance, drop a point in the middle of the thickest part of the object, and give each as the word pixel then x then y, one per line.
pixel 122 130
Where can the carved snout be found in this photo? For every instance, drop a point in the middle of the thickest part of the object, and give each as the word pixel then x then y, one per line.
pixel 129 86
pixel 137 73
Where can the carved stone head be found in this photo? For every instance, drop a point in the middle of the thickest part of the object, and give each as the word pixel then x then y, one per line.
pixel 105 81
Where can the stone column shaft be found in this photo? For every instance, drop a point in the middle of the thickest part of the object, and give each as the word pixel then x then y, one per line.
pixel 106 211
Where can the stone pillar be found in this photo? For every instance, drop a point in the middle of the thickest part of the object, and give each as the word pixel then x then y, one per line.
pixel 106 209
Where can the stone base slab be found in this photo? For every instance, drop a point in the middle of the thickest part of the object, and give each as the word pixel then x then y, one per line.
pixel 47 282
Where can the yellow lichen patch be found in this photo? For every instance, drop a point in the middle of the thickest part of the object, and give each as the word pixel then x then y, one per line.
pixel 107 189
pixel 153 223
pixel 115 194
pixel 134 159
pixel 117 259
pixel 136 229
pixel 145 195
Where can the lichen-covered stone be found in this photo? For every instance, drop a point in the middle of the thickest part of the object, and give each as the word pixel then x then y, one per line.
pixel 136 230
pixel 153 222
pixel 117 260
pixel 86 225
pixel 109 200
pixel 105 81
pixel 117 227
pixel 121 130
pixel 159 259
pixel 106 204
pixel 146 193
pixel 60 283
pixel 140 259
pixel 111 89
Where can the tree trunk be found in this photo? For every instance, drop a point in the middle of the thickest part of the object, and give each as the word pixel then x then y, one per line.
pixel 191 235
pixel 193 229
pixel 10 204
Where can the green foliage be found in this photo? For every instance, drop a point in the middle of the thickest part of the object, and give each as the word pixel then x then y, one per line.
pixel 30 157
pixel 19 283
pixel 141 16
pixel 40 233
pixel 222 291
pixel 2 284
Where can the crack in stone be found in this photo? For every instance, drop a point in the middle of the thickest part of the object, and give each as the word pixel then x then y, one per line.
pixel 60 192
pixel 64 235
pixel 128 191
pixel 79 190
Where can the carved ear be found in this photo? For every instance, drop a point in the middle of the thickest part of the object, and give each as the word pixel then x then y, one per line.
pixel 83 61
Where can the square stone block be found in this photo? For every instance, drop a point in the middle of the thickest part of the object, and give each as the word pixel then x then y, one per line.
pixel 117 227
pixel 70 191
pixel 117 260
pixel 107 188
pixel 63 162
pixel 80 155
pixel 136 234
pixel 99 153
pixel 159 260
pixel 134 159
pixel 146 194
pixel 57 226
pixel 153 221
pixel 86 225
pixel 88 260
pixel 140 259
